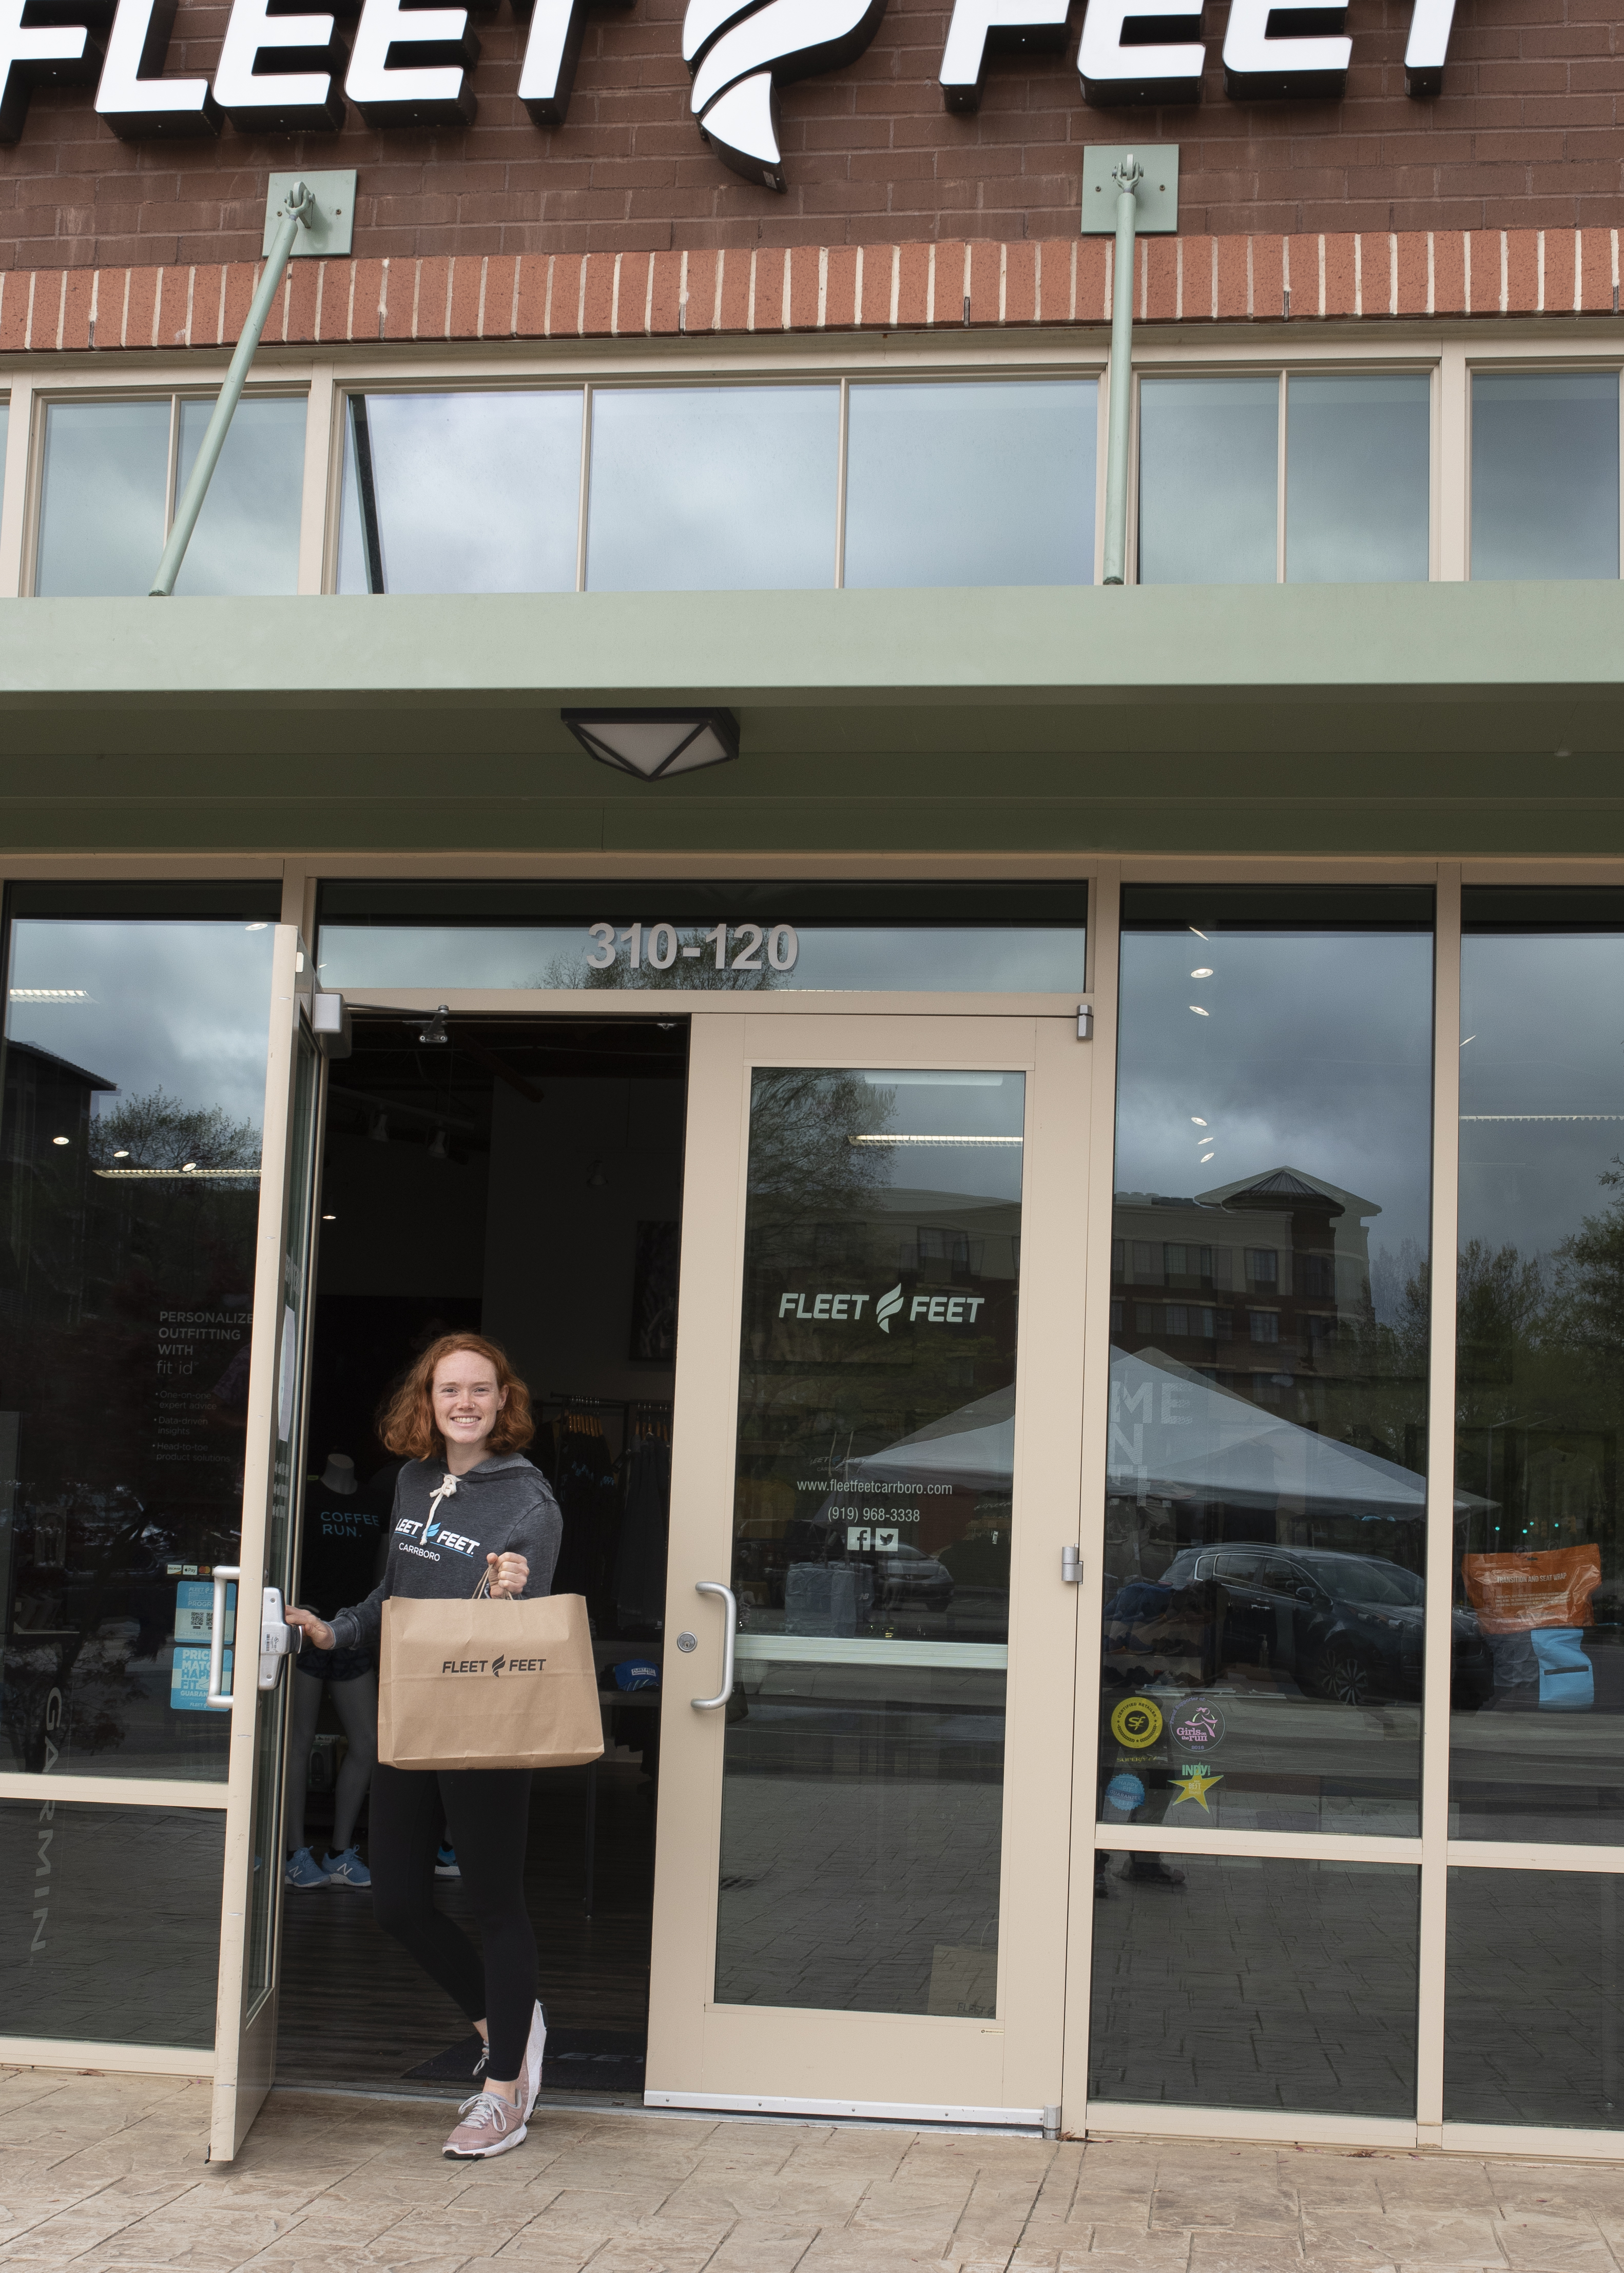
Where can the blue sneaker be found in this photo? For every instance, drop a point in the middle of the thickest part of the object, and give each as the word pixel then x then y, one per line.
pixel 446 1864
pixel 348 1869
pixel 302 1869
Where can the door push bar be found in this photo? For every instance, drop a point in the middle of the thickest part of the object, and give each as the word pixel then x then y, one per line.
pixel 723 1594
pixel 277 1638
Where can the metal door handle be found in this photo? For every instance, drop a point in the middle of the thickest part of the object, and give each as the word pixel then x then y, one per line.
pixel 723 1594
pixel 277 1638
pixel 219 1699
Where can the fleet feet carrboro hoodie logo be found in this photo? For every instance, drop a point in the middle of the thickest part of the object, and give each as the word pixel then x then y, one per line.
pixel 739 51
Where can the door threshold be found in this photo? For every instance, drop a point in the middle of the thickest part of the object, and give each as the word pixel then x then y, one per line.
pixel 605 2105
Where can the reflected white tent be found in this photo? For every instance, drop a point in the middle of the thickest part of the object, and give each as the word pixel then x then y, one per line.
pixel 1174 1436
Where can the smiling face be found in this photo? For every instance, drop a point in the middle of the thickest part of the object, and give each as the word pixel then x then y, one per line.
pixel 466 1400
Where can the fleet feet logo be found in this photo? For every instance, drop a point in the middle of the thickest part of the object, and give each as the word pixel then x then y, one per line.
pixel 886 1308
pixel 740 53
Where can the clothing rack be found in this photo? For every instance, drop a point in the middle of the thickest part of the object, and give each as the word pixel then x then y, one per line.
pixel 632 1416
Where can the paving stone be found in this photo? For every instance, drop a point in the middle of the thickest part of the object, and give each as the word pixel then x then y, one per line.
pixel 758 2245
pixel 1103 2245
pixel 1192 2201
pixel 1533 2243
pixel 1421 2238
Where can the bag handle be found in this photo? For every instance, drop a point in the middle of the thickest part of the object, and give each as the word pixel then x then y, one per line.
pixel 482 1592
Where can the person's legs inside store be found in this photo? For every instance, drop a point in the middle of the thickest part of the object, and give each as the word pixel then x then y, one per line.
pixel 539 1163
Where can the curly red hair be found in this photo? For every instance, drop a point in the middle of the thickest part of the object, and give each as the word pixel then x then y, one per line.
pixel 408 1422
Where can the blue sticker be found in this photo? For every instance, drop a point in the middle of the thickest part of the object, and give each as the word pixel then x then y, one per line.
pixel 1125 1792
pixel 189 1680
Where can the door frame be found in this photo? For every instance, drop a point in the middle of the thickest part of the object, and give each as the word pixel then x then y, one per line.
pixel 702 2054
pixel 244 2036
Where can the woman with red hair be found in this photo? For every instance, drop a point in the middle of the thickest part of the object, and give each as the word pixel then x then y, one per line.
pixel 467 1504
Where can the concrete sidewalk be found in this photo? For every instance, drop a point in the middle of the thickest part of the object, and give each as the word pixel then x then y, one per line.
pixel 107 2171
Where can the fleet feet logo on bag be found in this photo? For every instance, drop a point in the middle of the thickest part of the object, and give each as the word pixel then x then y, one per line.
pixel 494 1666
pixel 1137 1723
pixel 740 53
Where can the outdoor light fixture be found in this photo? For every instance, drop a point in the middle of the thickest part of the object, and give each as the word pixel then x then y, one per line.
pixel 654 744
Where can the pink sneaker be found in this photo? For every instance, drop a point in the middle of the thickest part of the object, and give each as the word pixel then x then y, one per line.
pixel 489 2125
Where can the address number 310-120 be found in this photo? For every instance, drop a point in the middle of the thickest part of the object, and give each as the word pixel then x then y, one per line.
pixel 661 945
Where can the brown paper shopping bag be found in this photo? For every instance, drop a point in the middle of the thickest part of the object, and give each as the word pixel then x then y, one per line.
pixel 488 1685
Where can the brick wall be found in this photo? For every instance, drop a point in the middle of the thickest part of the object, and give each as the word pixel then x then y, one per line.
pixel 922 286
pixel 1527 135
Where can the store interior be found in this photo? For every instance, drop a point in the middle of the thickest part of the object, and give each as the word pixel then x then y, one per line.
pixel 521 1178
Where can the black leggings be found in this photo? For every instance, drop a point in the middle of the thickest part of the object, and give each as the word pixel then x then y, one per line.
pixel 487 1812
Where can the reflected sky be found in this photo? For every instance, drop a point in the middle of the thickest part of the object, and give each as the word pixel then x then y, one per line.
pixel 977 483
pixel 183 1006
pixel 1546 1022
pixel 1304 1050
pixel 476 493
pixel 917 957
pixel 698 489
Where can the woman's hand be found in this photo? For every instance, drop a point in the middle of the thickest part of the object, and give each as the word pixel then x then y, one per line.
pixel 321 1635
pixel 509 1574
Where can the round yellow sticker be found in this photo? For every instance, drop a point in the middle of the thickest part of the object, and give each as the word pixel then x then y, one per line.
pixel 1136 1722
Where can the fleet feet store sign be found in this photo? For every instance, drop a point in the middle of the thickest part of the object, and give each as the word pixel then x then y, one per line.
pixel 282 70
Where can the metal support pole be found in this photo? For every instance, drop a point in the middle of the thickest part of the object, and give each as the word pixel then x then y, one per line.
pixel 295 216
pixel 1127 177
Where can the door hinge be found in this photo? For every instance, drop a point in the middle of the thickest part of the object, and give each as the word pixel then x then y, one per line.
pixel 1071 1565
pixel 1085 1022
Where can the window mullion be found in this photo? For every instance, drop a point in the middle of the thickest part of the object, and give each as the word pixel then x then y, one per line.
pixel 1440 1499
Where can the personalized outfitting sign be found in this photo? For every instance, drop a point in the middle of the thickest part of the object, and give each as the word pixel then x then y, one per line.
pixel 405 64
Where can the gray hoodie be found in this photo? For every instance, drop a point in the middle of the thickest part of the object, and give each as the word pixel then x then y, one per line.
pixel 442 1528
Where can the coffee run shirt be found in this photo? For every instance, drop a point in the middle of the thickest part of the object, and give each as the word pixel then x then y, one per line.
pixel 343 1551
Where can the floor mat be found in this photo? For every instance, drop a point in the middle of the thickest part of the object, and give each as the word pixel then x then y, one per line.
pixel 576 2059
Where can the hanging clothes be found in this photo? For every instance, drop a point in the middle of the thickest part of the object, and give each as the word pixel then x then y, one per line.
pixel 582 1484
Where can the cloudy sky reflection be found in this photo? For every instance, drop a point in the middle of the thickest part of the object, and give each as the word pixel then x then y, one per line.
pixel 1546 1018
pixel 1246 1052
pixel 183 1007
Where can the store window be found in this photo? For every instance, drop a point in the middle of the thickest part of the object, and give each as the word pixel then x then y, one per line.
pixel 770 937
pixel 110 475
pixel 863 1778
pixel 135 1032
pixel 1359 452
pixel 1534 1992
pixel 1538 1687
pixel 1209 474
pixel 987 481
pixel 112 1932
pixel 1288 1986
pixel 697 489
pixel 1264 1527
pixel 1356 464
pixel 1545 474
pixel 462 492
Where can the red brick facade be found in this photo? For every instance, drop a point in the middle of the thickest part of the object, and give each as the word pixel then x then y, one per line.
pixel 939 286
pixel 1527 135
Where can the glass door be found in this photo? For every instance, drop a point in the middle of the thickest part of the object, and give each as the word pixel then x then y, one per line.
pixel 860 1896
pixel 255 1679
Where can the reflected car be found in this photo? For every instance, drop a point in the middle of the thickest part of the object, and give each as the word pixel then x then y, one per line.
pixel 907 1578
pixel 1348 1628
